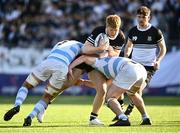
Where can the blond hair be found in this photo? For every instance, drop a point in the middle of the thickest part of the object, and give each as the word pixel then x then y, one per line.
pixel 113 21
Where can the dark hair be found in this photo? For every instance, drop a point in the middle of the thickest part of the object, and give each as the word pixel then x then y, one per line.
pixel 143 10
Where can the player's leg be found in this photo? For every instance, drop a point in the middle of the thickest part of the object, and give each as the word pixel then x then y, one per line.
pixel 112 102
pixel 58 76
pixel 131 104
pixel 22 93
pixel 42 104
pixel 150 73
pixel 101 89
pixel 38 75
pixel 139 103
pixel 137 100
pixel 69 82
pixel 135 97
pixel 130 79
pixel 121 102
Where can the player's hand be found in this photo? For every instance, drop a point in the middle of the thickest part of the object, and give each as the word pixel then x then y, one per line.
pixel 110 48
pixel 103 46
pixel 79 82
pixel 110 51
pixel 70 72
pixel 157 65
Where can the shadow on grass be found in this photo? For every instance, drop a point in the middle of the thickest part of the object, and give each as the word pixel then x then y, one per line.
pixel 41 126
pixel 49 124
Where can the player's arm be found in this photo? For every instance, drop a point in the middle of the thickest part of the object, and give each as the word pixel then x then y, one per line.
pixel 128 48
pixel 88 48
pixel 85 82
pixel 113 52
pixel 162 52
pixel 109 82
pixel 82 59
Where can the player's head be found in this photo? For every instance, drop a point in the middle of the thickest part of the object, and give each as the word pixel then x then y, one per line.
pixel 113 24
pixel 143 15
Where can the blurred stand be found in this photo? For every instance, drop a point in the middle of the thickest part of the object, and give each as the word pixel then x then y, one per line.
pixel 29 28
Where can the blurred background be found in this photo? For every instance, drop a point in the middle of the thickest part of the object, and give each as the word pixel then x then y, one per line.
pixel 30 28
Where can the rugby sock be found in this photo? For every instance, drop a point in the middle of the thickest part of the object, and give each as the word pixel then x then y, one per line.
pixel 122 116
pixel 121 103
pixel 21 96
pixel 144 116
pixel 93 116
pixel 41 105
pixel 131 104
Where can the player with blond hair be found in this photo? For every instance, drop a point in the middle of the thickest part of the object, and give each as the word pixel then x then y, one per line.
pixel 116 41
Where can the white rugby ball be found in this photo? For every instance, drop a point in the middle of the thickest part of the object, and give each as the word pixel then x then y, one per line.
pixel 101 37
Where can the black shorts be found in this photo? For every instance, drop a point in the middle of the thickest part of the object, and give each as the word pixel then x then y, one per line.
pixel 85 67
pixel 150 72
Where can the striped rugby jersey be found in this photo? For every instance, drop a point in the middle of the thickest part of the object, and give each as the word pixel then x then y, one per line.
pixel 145 42
pixel 66 51
pixel 110 66
pixel 117 43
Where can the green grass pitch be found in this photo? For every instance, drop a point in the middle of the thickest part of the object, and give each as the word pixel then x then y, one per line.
pixel 70 114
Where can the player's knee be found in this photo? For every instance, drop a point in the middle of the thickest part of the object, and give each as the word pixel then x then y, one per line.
pixel 130 93
pixel 47 98
pixel 102 92
pixel 133 90
pixel 101 89
pixel 27 85
pixel 121 97
pixel 31 81
pixel 109 100
pixel 51 92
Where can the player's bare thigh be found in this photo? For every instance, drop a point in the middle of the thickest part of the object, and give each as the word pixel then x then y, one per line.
pixel 69 82
pixel 76 76
pixel 115 92
pixel 99 80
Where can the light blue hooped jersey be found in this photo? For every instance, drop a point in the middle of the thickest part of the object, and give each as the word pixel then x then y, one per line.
pixel 66 51
pixel 110 66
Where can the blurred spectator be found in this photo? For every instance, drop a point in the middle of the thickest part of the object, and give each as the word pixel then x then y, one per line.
pixel 41 24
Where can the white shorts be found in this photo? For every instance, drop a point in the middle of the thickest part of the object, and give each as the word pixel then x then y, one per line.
pixel 130 74
pixel 54 70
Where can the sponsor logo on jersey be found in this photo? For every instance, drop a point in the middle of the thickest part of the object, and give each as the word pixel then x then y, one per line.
pixel 149 38
pixel 134 38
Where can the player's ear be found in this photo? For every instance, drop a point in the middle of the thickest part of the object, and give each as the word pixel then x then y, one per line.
pixel 149 17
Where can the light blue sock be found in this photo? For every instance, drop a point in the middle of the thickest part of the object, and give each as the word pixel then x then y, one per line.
pixel 21 96
pixel 145 116
pixel 122 116
pixel 39 107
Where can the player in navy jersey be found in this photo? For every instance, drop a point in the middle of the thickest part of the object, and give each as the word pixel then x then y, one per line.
pixel 127 76
pixel 144 40
pixel 116 40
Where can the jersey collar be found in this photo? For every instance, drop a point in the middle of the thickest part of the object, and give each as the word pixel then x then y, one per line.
pixel 111 37
pixel 149 26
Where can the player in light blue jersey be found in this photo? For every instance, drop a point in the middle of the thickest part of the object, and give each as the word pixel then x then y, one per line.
pixel 100 50
pixel 66 52
pixel 127 75
pixel 55 70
